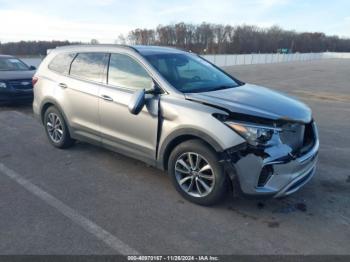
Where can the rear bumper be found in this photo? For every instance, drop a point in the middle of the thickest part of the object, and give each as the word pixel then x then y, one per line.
pixel 274 172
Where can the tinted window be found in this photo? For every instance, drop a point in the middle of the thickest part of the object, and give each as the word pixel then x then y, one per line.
pixel 89 66
pixel 126 72
pixel 61 63
pixel 12 64
pixel 190 73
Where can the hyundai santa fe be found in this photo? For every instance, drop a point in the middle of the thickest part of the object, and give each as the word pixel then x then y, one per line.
pixel 177 111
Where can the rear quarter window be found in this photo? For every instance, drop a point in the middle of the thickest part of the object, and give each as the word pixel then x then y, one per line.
pixel 61 63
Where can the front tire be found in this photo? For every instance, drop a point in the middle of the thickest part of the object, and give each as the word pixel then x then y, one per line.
pixel 56 128
pixel 196 173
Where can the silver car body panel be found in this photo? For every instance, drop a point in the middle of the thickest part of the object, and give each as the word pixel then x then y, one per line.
pixel 133 134
pixel 181 117
pixel 257 101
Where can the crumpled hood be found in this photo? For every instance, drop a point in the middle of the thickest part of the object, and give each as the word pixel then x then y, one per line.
pixel 13 75
pixel 256 101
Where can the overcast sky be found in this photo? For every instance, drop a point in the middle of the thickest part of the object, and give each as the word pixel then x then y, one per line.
pixel 82 20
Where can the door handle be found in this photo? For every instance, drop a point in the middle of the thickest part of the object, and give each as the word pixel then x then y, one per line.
pixel 107 98
pixel 62 85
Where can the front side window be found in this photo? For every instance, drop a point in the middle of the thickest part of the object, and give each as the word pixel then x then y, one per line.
pixel 189 73
pixel 127 73
pixel 89 66
pixel 12 64
pixel 61 63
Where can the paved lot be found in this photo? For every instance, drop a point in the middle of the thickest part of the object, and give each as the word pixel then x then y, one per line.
pixel 90 201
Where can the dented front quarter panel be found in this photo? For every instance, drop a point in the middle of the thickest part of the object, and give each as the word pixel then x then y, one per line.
pixel 181 117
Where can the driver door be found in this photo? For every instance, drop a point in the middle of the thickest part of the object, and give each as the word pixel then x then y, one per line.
pixel 134 135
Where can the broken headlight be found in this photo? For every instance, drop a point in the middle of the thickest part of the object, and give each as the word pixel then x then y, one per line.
pixel 254 134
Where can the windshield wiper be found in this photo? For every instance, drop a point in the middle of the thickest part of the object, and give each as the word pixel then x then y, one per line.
pixel 207 89
pixel 222 87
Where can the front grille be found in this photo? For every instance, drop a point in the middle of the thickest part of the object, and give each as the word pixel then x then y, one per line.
pixel 300 137
pixel 293 135
pixel 21 84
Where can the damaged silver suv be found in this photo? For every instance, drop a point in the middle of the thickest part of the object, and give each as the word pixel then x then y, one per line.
pixel 176 111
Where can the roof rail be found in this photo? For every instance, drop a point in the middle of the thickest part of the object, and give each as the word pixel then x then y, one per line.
pixel 96 45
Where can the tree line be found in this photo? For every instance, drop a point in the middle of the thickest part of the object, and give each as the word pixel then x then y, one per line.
pixel 241 39
pixel 206 38
pixel 30 48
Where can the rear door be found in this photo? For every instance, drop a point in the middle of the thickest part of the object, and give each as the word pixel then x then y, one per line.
pixel 81 92
pixel 130 134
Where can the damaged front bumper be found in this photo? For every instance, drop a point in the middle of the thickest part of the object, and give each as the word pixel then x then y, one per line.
pixel 274 171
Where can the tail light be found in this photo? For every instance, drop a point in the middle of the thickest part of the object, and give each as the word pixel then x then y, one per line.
pixel 34 80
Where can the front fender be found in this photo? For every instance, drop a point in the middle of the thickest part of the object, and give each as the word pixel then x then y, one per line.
pixel 168 143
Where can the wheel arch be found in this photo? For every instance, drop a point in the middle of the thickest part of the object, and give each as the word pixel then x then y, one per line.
pixel 51 102
pixel 179 137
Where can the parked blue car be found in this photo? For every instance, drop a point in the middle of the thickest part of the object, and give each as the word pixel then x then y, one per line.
pixel 15 80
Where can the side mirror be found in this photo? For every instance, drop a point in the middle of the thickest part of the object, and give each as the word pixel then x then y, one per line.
pixel 32 68
pixel 137 102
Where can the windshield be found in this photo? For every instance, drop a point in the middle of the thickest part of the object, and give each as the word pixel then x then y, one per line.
pixel 189 73
pixel 12 64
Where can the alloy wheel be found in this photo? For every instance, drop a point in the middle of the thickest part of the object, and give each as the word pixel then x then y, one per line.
pixel 194 174
pixel 54 127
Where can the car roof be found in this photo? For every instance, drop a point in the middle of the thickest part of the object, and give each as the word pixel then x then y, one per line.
pixel 5 56
pixel 142 49
pixel 150 50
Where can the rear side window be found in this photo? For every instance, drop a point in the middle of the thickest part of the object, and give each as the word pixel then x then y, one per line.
pixel 126 72
pixel 89 66
pixel 61 63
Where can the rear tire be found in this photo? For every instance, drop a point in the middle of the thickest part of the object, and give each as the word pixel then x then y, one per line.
pixel 56 128
pixel 196 173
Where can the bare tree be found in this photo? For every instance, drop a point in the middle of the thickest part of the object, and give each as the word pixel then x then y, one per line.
pixel 217 38
pixel 94 42
pixel 121 40
pixel 208 38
